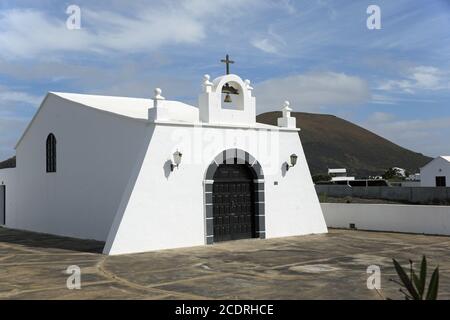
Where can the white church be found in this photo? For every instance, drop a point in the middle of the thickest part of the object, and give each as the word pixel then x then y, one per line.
pixel 150 174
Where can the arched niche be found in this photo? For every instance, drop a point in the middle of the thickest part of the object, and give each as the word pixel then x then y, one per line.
pixel 234 91
pixel 235 157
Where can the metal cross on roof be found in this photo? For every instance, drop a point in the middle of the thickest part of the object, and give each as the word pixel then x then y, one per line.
pixel 227 61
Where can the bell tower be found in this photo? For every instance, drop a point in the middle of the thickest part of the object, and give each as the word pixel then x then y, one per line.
pixel 227 99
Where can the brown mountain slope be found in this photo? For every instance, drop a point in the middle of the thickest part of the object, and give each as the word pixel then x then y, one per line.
pixel 332 142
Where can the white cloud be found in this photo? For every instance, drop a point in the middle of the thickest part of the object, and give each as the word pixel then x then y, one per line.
pixel 18 36
pixel 30 33
pixel 10 130
pixel 312 91
pixel 271 42
pixel 393 100
pixel 265 45
pixel 13 105
pixel 429 136
pixel 146 31
pixel 418 78
pixel 223 8
pixel 7 95
pixel 377 117
pixel 112 32
pixel 427 77
pixel 328 6
pixel 382 99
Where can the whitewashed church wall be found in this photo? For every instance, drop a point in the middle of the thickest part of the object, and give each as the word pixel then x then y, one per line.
pixel 166 209
pixel 292 206
pixel 96 153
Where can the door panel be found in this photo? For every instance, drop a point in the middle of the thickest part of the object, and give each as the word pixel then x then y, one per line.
pixel 233 207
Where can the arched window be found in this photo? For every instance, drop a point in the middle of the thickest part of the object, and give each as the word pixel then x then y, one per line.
pixel 51 153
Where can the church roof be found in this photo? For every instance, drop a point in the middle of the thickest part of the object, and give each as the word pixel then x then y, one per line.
pixel 135 108
pixel 446 158
pixel 130 107
pixel 138 108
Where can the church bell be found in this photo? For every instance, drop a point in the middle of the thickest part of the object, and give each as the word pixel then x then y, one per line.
pixel 227 98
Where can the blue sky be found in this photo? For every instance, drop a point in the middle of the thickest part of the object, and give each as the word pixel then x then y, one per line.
pixel 318 54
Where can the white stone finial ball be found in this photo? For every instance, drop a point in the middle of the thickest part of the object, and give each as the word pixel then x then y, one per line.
pixel 287 103
pixel 206 77
pixel 247 84
pixel 158 95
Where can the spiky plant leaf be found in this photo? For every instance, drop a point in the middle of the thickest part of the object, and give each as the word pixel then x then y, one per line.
pixel 411 271
pixel 423 276
pixel 433 287
pixel 406 280
pixel 417 284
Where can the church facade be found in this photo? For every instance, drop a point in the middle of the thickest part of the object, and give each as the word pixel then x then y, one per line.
pixel 150 174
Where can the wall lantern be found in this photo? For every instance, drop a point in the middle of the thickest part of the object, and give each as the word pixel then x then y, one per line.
pixel 293 159
pixel 176 160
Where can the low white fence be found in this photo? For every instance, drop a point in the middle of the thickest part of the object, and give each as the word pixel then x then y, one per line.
pixel 421 219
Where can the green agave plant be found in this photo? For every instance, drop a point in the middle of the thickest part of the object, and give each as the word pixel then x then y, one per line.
pixel 415 284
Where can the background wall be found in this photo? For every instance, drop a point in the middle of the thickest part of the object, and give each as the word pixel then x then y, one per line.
pixel 423 195
pixel 386 217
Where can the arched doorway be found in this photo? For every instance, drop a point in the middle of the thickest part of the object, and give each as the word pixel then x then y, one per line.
pixel 233 203
pixel 234 197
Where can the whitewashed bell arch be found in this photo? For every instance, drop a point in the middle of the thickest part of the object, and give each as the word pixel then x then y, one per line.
pixel 211 103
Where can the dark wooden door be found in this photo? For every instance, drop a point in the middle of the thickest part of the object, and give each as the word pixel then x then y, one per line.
pixel 233 203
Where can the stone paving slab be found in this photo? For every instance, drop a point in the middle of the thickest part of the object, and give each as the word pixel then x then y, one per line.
pixel 328 266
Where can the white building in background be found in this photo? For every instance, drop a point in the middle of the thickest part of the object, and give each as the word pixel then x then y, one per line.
pixel 413 180
pixel 148 174
pixel 339 174
pixel 400 172
pixel 413 177
pixel 436 173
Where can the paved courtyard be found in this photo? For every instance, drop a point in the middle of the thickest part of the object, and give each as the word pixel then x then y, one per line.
pixel 330 266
